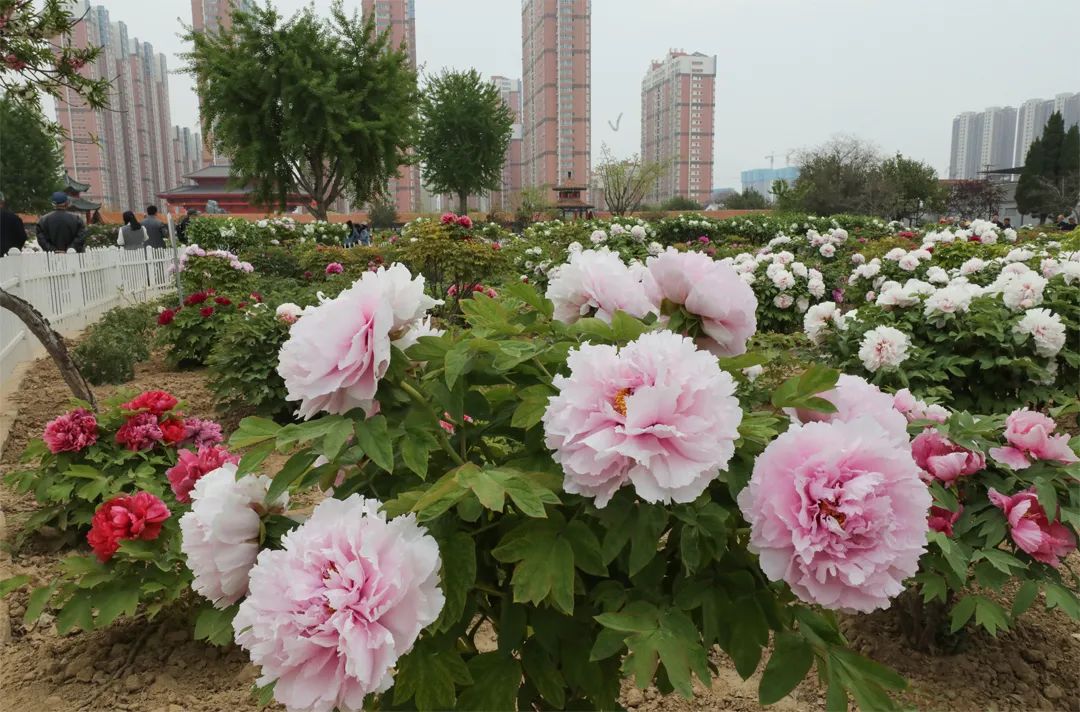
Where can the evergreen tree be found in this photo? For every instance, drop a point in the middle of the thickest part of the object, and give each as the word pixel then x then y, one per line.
pixel 1050 181
pixel 465 129
pixel 1028 188
pixel 31 166
pixel 322 107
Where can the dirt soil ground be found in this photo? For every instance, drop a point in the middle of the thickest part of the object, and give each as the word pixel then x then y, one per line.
pixel 157 667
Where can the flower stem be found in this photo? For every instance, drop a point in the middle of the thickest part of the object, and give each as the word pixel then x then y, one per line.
pixel 440 435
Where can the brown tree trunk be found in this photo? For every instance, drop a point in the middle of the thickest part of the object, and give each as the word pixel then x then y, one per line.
pixel 53 343
pixel 463 203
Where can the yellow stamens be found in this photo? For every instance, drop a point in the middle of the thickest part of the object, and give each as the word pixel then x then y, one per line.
pixel 619 404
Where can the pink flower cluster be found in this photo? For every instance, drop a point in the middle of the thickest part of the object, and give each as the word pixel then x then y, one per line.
pixel 334 268
pixel 191 466
pixel 1031 529
pixel 137 516
pixel 659 414
pixel 837 510
pixel 460 220
pixel 71 432
pixel 1029 436
pixel 202 433
pixel 331 612
pixel 140 432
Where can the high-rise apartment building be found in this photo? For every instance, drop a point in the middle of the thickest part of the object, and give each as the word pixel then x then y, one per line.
pixel 556 100
pixel 999 137
pixel 398 18
pixel 125 152
pixel 502 199
pixel 187 152
pixel 678 101
pixel 211 16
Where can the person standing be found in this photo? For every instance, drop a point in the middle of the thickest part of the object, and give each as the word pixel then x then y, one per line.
pixel 352 235
pixel 12 230
pixel 132 235
pixel 365 235
pixel 61 229
pixel 181 229
pixel 157 231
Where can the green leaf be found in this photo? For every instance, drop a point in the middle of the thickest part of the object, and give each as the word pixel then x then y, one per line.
pixel 296 466
pixel 637 617
pixel 1057 596
pixel 496 679
pixel 252 431
pixel 1025 596
pixel 1047 495
pixel 544 675
pixel 626 328
pixel 798 392
pixel 214 625
pixel 254 457
pixel 545 563
pixel 442 495
pixel 335 439
pixel 13 584
pixel 416 449
pixel 645 536
pixel 373 437
pixel 745 648
pixel 587 556
pixel 75 613
pixel 487 485
pixel 39 598
pixel 114 600
pixel 962 612
pixel 533 405
pixel 308 431
pixel 429 675
pixel 787 666
pixel 458 361
pixel 990 615
pixel 458 554
pixel 1000 560
pixel 677 644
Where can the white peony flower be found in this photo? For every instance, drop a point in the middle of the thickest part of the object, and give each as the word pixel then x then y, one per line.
pixel 1009 234
pixel 655 248
pixel 818 318
pixel 288 312
pixel 972 266
pixel 574 247
pixel 949 300
pixel 1024 291
pixel 1046 328
pixel 937 275
pixel 638 233
pixel 1069 271
pixel 908 262
pixel 752 372
pixel 784 257
pixel 783 279
pixel 816 288
pixel 783 301
pixel 827 250
pixel 802 304
pixel 858 258
pixel 895 254
pixel 599 236
pixel 883 347
pixel 799 269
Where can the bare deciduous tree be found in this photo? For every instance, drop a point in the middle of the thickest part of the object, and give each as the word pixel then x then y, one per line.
pixel 625 182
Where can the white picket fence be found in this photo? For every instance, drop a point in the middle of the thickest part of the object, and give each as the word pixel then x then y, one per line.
pixel 73 291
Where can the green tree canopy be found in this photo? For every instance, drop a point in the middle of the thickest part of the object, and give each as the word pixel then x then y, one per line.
pixel 749 199
pixel 626 181
pixel 911 186
pixel 31 166
pixel 465 129
pixel 323 107
pixel 1050 181
pixel 679 202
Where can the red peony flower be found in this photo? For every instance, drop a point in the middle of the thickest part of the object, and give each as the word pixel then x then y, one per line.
pixel 207 311
pixel 166 317
pixel 156 402
pixel 241 305
pixel 256 296
pixel 140 432
pixel 173 431
pixel 196 298
pixel 464 221
pixel 71 432
pixel 223 301
pixel 137 516
pixel 448 219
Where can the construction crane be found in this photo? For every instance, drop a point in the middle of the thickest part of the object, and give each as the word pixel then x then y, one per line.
pixel 772 160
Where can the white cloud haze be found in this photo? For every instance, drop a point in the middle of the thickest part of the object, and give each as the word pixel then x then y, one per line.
pixel 791 73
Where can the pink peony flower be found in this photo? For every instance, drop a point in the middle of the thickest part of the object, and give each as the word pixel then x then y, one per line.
pixel 464 221
pixel 139 432
pixel 220 535
pixel 137 516
pixel 914 409
pixel 337 353
pixel 330 613
pixel 942 459
pixel 837 510
pixel 448 219
pixel 334 268
pixel 711 291
pixel 596 283
pixel 200 432
pixel 854 397
pixel 942 520
pixel 71 432
pixel 191 466
pixel 660 414
pixel 1029 439
pixel 1031 529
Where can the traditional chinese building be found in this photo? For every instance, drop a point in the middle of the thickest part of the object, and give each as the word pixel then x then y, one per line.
pixel 213 183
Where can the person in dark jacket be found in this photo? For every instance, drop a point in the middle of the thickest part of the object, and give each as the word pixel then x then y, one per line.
pixel 12 230
pixel 181 229
pixel 157 230
pixel 61 229
pixel 365 235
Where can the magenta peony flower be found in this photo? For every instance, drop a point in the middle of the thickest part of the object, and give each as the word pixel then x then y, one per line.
pixel 854 397
pixel 464 221
pixel 1029 439
pixel 711 291
pixel 660 414
pixel 1031 529
pixel 139 432
pixel 339 350
pixel 837 510
pixel 334 268
pixel 220 535
pixel 191 466
pixel 596 283
pixel 330 613
pixel 200 432
pixel 71 432
pixel 448 219
pixel 942 520
pixel 942 459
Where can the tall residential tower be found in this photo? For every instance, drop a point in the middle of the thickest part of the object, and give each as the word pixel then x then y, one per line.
pixel 398 17
pixel 677 111
pixel 211 16
pixel 510 91
pixel 556 100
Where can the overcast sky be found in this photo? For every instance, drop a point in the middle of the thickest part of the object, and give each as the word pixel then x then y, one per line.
pixel 791 73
